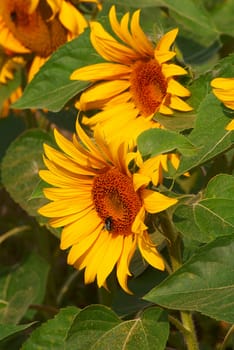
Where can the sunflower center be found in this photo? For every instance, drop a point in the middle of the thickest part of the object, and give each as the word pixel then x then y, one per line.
pixel 35 31
pixel 116 201
pixel 148 86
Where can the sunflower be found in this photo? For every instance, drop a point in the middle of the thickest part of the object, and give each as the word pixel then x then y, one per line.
pixel 223 89
pixel 8 66
pixel 101 204
pixel 38 27
pixel 136 77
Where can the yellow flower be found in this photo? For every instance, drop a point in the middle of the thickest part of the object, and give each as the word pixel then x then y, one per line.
pixel 136 78
pixel 223 89
pixel 101 204
pixel 38 27
pixel 8 66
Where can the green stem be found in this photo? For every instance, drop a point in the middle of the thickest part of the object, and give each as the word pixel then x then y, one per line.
pixel 190 336
pixel 227 337
pixel 174 249
pixel 13 232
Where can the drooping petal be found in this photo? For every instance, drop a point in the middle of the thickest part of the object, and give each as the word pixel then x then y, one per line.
pixel 155 202
pixel 149 252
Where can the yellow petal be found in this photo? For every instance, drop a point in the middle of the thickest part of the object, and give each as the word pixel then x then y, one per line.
pixel 77 250
pixel 65 207
pixel 167 40
pixel 149 252
pixel 177 89
pixel 230 125
pixel 129 247
pixel 102 92
pixel 109 258
pixel 37 63
pixel 223 83
pixel 8 41
pixel 180 105
pixel 101 71
pixel 72 19
pixel 170 70
pixel 86 224
pixel 155 202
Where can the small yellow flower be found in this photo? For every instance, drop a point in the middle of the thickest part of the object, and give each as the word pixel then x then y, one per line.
pixel 101 204
pixel 223 89
pixel 136 77
pixel 38 27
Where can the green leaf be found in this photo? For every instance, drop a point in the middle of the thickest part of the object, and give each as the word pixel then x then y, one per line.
pixel 205 283
pixel 20 168
pixel 189 16
pixel 97 327
pixel 52 334
pixel 52 88
pixel 23 285
pixel 8 331
pixel 156 141
pixel 223 17
pixel 211 216
pixel 91 324
pixel 148 332
pixel 209 135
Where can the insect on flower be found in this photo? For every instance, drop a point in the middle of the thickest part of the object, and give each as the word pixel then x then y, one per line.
pixel 108 223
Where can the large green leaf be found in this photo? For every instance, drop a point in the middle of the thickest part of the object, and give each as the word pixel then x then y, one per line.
pixel 205 283
pixel 52 334
pixel 97 327
pixel 211 216
pixel 51 88
pixel 23 285
pixel 20 168
pixel 156 141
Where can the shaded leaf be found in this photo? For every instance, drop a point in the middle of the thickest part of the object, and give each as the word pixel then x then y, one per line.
pixel 52 88
pixel 9 330
pixel 205 283
pixel 209 135
pixel 20 168
pixel 23 285
pixel 211 216
pixel 52 334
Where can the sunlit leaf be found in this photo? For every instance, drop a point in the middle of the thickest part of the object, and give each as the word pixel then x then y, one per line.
pixel 205 283
pixel 51 88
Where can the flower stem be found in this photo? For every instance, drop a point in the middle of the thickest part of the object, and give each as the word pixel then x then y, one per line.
pixel 174 250
pixel 190 336
pixel 13 232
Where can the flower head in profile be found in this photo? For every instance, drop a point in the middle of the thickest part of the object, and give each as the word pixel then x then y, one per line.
pixel 38 27
pixel 8 66
pixel 137 75
pixel 223 89
pixel 101 204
